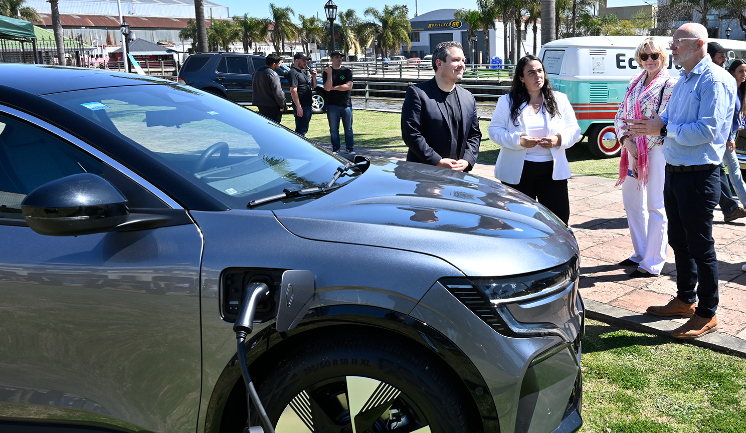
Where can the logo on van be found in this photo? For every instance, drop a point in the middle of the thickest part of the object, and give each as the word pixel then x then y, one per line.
pixel 452 24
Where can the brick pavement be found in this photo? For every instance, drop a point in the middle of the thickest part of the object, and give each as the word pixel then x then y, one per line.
pixel 600 225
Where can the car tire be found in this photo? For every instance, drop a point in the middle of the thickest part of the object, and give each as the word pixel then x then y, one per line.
pixel 387 386
pixel 602 141
pixel 318 103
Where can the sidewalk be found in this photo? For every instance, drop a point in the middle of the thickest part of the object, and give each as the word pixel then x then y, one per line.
pixel 600 225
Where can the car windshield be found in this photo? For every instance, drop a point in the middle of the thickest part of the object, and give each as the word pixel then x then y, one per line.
pixel 241 155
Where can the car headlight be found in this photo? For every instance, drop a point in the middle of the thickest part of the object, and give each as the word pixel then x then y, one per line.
pixel 485 296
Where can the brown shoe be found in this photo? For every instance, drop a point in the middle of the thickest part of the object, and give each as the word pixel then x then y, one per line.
pixel 675 307
pixel 696 327
pixel 735 214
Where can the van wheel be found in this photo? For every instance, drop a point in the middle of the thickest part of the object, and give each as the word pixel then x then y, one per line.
pixel 602 141
pixel 380 386
pixel 318 103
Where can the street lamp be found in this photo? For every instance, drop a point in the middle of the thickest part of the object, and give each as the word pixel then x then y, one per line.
pixel 125 28
pixel 331 14
pixel 727 32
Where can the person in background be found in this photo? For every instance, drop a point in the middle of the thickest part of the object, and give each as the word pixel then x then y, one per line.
pixel 439 121
pixel 301 90
pixel 696 124
pixel 266 91
pixel 642 168
pixel 738 70
pixel 730 208
pixel 534 125
pixel 338 85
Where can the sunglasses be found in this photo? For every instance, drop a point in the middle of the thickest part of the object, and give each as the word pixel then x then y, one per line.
pixel 644 57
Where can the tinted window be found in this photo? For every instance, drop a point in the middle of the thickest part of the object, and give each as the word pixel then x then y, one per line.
pixel 31 157
pixel 234 65
pixel 194 63
pixel 258 62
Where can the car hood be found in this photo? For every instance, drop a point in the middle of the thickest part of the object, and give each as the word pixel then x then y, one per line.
pixel 478 225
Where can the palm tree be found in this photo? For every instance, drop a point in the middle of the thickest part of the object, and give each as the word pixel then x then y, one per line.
pixel 473 20
pixel 223 33
pixel 252 30
pixel 189 32
pixel 347 38
pixel 533 9
pixel 59 40
pixel 283 26
pixel 488 13
pixel 15 9
pixel 199 17
pixel 394 27
pixel 311 29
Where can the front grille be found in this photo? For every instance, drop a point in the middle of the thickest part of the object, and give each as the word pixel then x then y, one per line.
pixel 478 303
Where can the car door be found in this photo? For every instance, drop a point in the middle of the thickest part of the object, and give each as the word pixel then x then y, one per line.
pixel 235 73
pixel 100 329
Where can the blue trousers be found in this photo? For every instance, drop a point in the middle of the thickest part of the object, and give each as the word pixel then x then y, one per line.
pixel 334 113
pixel 301 123
pixel 690 199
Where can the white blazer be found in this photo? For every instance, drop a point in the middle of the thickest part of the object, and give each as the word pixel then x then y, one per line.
pixel 502 131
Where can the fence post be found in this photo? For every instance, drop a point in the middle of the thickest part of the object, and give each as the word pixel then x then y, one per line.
pixel 367 93
pixel 401 66
pixel 163 70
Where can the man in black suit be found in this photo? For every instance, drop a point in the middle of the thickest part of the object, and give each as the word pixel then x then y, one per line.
pixel 439 120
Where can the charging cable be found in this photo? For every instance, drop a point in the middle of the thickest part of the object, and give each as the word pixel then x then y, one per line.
pixel 244 325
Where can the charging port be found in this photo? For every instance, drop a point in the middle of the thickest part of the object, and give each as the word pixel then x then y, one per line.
pixel 234 281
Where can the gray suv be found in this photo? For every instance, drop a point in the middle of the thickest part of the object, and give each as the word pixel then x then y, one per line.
pixel 229 75
pixel 164 250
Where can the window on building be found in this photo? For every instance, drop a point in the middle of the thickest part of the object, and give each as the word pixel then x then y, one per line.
pixel 414 37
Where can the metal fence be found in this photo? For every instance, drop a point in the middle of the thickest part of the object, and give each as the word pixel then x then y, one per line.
pixel 424 70
pixel 44 51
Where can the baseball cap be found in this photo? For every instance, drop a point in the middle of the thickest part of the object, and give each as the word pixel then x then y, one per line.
pixel 336 53
pixel 714 48
pixel 301 56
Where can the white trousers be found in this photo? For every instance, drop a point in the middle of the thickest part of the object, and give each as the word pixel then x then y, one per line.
pixel 646 215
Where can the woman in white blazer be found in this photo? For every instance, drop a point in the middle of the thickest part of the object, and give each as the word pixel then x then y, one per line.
pixel 534 125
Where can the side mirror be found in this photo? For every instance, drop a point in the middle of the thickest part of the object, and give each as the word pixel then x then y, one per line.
pixel 75 205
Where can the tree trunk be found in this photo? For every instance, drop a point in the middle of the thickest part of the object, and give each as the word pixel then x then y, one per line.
pixel 506 23
pixel 548 23
pixel 574 17
pixel 486 31
pixel 245 45
pixel 57 28
pixel 536 53
pixel 199 16
pixel 518 34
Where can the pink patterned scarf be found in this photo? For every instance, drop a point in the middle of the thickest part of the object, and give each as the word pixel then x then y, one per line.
pixel 650 95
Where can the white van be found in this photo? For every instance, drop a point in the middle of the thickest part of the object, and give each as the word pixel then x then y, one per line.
pixel 594 72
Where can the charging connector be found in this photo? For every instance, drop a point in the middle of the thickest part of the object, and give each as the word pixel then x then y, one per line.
pixel 253 294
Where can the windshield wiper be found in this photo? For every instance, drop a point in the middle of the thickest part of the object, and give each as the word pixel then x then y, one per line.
pixel 287 193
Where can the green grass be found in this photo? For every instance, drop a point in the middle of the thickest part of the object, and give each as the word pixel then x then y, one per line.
pixel 382 130
pixel 640 383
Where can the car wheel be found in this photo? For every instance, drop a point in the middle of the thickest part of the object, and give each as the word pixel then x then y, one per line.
pixel 602 141
pixel 379 385
pixel 318 103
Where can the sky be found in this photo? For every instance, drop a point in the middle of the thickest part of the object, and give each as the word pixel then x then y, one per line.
pixel 260 8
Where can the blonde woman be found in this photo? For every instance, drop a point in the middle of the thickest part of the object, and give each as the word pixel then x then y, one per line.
pixel 642 165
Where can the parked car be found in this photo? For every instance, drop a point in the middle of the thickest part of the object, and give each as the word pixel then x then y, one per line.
pixel 229 75
pixel 427 62
pixel 397 60
pixel 414 61
pixel 387 296
pixel 365 59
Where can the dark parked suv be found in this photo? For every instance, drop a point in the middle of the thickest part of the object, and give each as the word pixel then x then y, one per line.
pixel 229 75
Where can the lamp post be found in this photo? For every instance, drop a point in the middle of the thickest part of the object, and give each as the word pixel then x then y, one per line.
pixel 727 32
pixel 331 14
pixel 125 28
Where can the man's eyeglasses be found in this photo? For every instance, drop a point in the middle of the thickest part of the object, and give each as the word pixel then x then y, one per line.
pixel 677 42
pixel 644 56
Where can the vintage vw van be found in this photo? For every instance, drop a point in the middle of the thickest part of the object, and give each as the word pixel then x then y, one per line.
pixel 594 72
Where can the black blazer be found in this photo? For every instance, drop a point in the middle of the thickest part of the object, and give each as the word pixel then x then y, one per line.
pixel 426 130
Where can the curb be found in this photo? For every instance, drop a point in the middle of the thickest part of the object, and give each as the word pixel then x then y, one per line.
pixel 653 325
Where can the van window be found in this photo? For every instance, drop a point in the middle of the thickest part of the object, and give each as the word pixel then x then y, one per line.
pixel 553 61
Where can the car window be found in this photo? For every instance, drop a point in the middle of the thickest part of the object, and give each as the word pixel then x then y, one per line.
pixel 258 62
pixel 31 157
pixel 240 155
pixel 194 63
pixel 234 65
